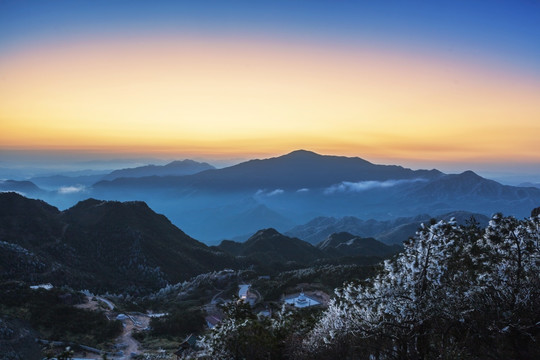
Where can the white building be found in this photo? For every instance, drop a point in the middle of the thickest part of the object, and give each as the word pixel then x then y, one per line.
pixel 301 301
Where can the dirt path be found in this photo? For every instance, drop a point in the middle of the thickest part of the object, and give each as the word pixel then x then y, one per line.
pixel 128 344
pixel 125 342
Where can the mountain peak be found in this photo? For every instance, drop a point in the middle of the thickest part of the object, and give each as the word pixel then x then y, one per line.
pixel 268 245
pixel 188 163
pixel 174 168
pixel 303 153
pixel 266 233
pixel 470 174
pixel 12 203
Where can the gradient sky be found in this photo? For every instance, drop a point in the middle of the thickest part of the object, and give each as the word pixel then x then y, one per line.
pixel 423 84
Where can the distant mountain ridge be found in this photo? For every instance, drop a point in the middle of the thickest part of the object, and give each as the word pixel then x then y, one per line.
pixel 270 246
pixel 175 168
pixel 21 186
pixel 530 184
pixel 387 231
pixel 469 184
pixel 303 170
pixel 296 170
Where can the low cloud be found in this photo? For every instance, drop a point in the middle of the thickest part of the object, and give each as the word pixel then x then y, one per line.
pixel 65 190
pixel 269 193
pixel 275 192
pixel 347 186
pixel 303 190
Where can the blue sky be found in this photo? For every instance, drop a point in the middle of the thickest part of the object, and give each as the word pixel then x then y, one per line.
pixel 504 29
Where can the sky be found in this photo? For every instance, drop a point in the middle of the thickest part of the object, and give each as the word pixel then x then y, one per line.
pixel 441 84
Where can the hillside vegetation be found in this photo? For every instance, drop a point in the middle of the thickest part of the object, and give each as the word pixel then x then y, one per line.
pixel 455 292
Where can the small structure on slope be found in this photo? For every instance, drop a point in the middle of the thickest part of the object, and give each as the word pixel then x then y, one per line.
pixel 301 301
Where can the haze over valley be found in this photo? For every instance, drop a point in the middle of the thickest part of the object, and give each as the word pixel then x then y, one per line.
pixel 282 192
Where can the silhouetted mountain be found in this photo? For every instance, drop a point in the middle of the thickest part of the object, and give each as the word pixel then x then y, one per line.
pixel 389 231
pixel 98 244
pixel 25 187
pixel 296 170
pixel 286 190
pixel 346 244
pixel 270 246
pixel 175 168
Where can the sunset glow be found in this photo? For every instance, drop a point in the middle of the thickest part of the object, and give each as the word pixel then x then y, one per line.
pixel 171 94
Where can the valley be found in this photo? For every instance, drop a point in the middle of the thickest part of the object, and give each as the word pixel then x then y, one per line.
pixel 71 251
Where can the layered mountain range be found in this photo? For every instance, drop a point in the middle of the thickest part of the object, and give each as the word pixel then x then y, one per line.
pixel 174 168
pixel 297 170
pixel 127 247
pixel 393 231
pixel 293 189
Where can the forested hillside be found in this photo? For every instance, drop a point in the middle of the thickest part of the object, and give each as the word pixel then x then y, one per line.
pixel 455 292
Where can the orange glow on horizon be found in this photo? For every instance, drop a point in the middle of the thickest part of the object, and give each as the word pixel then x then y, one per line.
pixel 198 96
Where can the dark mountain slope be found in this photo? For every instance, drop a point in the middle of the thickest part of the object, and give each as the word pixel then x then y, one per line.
pixel 131 236
pixel 271 246
pixel 27 222
pixel 101 245
pixel 31 248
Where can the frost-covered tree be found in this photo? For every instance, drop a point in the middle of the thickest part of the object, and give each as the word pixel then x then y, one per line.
pixel 454 292
pixel 507 300
pixel 242 335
